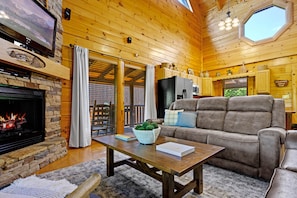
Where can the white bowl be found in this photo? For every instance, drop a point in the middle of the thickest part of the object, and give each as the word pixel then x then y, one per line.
pixel 147 136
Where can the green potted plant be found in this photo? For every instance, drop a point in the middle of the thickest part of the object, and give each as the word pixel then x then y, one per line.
pixel 147 132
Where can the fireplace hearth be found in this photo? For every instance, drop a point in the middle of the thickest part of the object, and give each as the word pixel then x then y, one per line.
pixel 22 117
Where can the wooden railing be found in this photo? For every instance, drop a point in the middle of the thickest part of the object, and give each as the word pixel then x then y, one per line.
pixel 131 118
pixel 136 116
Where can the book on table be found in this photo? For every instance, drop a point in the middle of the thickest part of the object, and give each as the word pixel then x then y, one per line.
pixel 125 137
pixel 175 148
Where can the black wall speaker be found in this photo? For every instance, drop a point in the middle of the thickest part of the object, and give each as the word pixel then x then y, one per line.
pixel 67 13
pixel 129 40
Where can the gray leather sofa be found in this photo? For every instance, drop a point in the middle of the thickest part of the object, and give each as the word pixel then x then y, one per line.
pixel 284 180
pixel 251 128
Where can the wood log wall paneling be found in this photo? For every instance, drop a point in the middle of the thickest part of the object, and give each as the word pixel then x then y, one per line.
pixel 224 50
pixel 161 31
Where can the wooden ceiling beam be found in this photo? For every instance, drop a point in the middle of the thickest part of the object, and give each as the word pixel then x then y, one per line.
pixel 139 76
pixel 129 71
pixel 110 68
pixel 220 4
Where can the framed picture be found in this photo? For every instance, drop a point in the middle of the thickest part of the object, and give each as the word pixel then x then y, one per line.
pixel 190 71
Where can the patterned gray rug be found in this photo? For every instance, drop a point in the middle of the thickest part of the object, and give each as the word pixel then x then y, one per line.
pixel 128 182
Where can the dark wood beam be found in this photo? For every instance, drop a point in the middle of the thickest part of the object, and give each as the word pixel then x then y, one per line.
pixel 220 4
pixel 102 75
pixel 129 71
pixel 139 76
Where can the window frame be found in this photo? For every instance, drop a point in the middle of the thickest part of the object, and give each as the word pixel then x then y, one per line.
pixel 186 4
pixel 235 87
pixel 288 6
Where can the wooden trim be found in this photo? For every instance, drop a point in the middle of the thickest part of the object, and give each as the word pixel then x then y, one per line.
pixel 248 74
pixel 288 6
pixel 51 68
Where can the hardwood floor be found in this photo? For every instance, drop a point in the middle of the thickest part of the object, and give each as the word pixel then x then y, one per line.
pixel 76 156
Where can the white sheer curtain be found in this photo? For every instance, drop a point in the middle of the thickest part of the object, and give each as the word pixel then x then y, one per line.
pixel 150 111
pixel 80 132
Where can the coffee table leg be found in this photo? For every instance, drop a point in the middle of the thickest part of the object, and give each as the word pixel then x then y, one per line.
pixel 198 177
pixel 167 184
pixel 110 162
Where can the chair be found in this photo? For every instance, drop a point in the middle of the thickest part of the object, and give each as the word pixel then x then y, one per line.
pixel 101 120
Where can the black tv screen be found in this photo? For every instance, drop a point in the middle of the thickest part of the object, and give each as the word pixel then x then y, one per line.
pixel 29 23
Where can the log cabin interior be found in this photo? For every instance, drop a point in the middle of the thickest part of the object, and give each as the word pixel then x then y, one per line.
pixel 158 33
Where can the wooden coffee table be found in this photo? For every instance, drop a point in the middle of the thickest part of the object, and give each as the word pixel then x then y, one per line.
pixel 160 165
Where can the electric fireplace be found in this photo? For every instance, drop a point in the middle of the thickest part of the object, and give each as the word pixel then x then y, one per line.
pixel 22 117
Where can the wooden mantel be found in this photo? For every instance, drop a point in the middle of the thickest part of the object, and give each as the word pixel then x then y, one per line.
pixel 19 57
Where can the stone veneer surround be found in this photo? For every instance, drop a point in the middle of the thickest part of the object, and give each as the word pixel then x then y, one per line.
pixel 28 160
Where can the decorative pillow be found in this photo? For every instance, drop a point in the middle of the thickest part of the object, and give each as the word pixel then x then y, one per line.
pixel 170 117
pixel 186 119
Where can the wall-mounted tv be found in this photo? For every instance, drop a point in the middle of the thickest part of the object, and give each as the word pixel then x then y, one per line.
pixel 28 22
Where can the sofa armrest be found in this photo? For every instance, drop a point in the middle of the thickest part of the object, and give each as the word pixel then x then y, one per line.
pixel 291 140
pixel 271 141
pixel 274 131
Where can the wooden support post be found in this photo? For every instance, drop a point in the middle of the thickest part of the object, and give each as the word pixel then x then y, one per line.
pixel 119 97
pixel 132 116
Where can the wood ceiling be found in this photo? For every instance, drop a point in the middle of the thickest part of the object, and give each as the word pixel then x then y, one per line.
pixel 103 72
pixel 206 5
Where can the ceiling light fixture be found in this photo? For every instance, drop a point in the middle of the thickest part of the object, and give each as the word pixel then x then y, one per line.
pixel 228 23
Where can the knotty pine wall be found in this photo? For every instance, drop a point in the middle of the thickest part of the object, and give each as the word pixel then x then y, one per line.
pixel 223 50
pixel 161 31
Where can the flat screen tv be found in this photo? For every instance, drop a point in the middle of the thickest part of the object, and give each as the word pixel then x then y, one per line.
pixel 28 22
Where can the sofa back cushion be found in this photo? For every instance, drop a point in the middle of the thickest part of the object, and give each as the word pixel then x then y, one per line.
pixel 248 114
pixel 211 112
pixel 278 114
pixel 185 104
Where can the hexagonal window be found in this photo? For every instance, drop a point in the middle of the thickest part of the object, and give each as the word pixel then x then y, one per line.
pixel 266 24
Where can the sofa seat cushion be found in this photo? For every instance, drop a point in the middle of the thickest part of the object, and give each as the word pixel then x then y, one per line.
pixel 282 184
pixel 238 147
pixel 289 161
pixel 193 134
pixel 246 122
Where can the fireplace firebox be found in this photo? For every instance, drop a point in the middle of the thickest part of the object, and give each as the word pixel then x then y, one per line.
pixel 22 117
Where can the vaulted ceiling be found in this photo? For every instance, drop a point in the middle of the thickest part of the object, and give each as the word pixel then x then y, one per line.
pixel 103 72
pixel 206 5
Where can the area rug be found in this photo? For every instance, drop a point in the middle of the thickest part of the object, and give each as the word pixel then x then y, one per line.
pixel 128 182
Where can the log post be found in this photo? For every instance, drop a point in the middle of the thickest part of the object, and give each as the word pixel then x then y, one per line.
pixel 119 97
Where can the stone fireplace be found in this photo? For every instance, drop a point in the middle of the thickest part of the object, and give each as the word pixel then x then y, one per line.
pixel 40 90
pixel 22 117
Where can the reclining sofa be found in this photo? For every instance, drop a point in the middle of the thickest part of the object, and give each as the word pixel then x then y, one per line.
pixel 284 178
pixel 251 128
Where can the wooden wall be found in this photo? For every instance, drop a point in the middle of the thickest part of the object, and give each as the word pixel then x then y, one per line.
pixel 224 50
pixel 161 31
